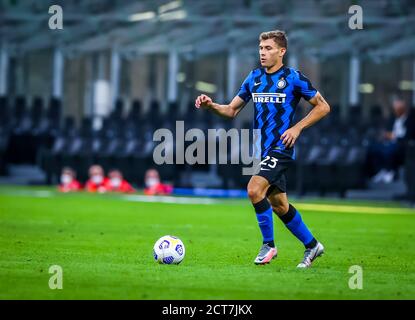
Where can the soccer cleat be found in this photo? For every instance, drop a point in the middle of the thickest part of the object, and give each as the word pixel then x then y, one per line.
pixel 266 254
pixel 310 255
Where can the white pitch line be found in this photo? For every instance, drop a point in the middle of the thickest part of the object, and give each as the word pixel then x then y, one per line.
pixel 31 193
pixel 170 199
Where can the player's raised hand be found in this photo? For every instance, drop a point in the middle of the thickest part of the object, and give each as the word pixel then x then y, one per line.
pixel 290 136
pixel 203 101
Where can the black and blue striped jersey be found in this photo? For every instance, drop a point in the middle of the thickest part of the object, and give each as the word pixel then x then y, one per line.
pixel 275 97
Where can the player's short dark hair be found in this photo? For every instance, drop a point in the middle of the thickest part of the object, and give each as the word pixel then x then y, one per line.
pixel 279 37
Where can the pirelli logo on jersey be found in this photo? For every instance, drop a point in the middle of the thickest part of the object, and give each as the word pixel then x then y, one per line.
pixel 269 97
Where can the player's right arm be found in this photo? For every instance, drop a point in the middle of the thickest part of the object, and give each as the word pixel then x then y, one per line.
pixel 228 110
pixel 225 110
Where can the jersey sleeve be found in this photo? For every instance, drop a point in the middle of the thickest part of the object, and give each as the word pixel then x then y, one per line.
pixel 303 87
pixel 245 92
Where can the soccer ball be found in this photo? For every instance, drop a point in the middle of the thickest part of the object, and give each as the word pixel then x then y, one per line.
pixel 169 250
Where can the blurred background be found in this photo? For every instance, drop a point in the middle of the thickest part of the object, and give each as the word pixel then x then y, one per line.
pixel 94 91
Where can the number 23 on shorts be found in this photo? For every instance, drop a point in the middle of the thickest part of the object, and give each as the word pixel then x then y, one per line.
pixel 271 162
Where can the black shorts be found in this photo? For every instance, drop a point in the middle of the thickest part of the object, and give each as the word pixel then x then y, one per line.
pixel 273 167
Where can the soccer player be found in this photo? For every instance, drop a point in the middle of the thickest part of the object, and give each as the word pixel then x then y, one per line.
pixel 276 91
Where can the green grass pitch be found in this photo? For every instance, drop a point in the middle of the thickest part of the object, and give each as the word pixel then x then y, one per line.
pixel 104 245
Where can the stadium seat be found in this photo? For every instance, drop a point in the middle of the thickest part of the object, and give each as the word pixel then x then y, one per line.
pixel 410 170
pixel 136 111
pixel 4 112
pixel 118 111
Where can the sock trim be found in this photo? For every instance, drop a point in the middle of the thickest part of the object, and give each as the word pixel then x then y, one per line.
pixel 311 244
pixel 270 243
pixel 289 216
pixel 262 206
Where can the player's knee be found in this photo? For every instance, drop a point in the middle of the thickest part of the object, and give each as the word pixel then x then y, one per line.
pixel 255 194
pixel 280 208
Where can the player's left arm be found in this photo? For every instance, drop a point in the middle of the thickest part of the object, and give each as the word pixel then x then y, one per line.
pixel 320 109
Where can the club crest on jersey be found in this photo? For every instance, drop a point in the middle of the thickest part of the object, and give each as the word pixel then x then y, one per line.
pixel 281 83
pixel 269 97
